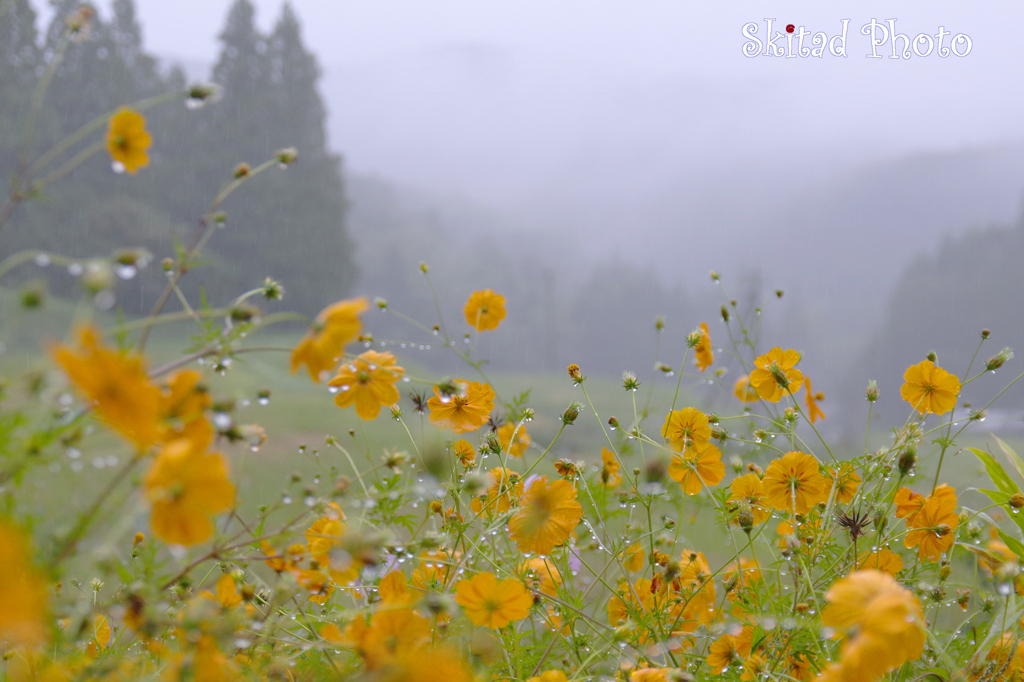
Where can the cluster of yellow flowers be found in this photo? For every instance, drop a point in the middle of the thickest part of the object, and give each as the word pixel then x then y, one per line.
pixel 727 546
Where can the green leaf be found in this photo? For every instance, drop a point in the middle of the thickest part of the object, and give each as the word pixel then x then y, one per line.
pixel 996 472
pixel 1015 545
pixel 1014 459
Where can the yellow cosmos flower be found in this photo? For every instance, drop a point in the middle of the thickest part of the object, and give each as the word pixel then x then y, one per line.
pixel 633 560
pixel 744 392
pixel 703 349
pixel 522 440
pixel 491 603
pixel 465 451
pixel 884 560
pixel 930 389
pixel 882 621
pixel 324 539
pixel 932 530
pixel 127 139
pixel 697 467
pixel 542 575
pixel 22 591
pixel 549 676
pixel 485 310
pixel 426 664
pixel 225 592
pixel 730 649
pixel 186 486
pixel 336 326
pixel 184 400
pixel 686 428
pixel 466 410
pixel 776 373
pixel 547 517
pixel 435 567
pixel 610 468
pixel 505 487
pixel 794 483
pixel 811 400
pixel 754 668
pixel 654 675
pixel 368 382
pixel 116 384
pixel 748 494
pixel 845 480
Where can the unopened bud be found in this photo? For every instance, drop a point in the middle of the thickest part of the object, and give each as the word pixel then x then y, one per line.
pixel 872 392
pixel 745 520
pixel 997 360
pixel 944 572
pixel 985 333
pixel 424 268
pixel 659 323
pixel 725 314
pixel 907 460
pixel 286 156
pixel 139 539
pixel 272 290
pixel 932 356
pixel 613 422
pixel 778 293
pixel 571 413
pixel 436 507
pixel 241 170
pixel 1017 501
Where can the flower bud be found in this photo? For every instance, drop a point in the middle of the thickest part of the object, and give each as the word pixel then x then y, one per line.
pixel 997 360
pixel 629 381
pixel 286 156
pixel 613 422
pixel 381 303
pixel 659 323
pixel 241 170
pixel 424 268
pixel 571 413
pixel 574 373
pixel 715 276
pixel 139 539
pixel 932 356
pixel 272 290
pixel 725 314
pixel 985 333
pixel 872 392
pixel 778 293
pixel 1017 501
pixel 945 571
pixel 907 460
pixel 746 520
pixel 436 507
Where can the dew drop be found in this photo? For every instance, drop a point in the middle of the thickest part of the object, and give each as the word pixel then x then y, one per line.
pixel 117 167
pixel 42 259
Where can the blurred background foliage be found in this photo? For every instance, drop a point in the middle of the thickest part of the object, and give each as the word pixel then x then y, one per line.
pixel 327 233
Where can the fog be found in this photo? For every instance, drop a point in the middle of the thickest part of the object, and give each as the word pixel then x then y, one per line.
pixel 639 131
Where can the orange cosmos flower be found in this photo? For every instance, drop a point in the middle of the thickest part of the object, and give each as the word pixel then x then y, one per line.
pixel 522 438
pixel 930 389
pixel 465 451
pixel 226 592
pixel 748 570
pixel 324 343
pixel 775 369
pixel 184 400
pixel 485 310
pixel 610 468
pixel 324 540
pixel 541 574
pixel 844 479
pixel 730 649
pixel 655 675
pixel 909 503
pixel 127 139
pixel 549 676
pixel 633 560
pixel 368 382
pixel 117 386
pixel 744 392
pixel 748 494
pixel 686 428
pixel 186 486
pixel 547 517
pixel 434 568
pixel 467 410
pixel 493 604
pixel 703 349
pixel 882 621
pixel 697 467
pixel 22 591
pixel 884 560
pixel 505 486
pixel 794 483
pixel 932 528
pixel 754 668
pixel 811 399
